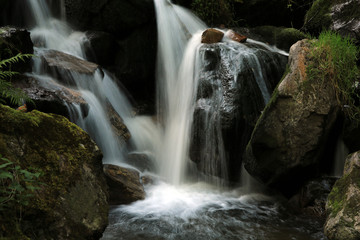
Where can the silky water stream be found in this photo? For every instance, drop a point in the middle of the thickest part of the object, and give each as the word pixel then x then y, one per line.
pixel 176 206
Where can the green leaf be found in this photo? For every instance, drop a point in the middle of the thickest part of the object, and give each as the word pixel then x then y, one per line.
pixel 5 165
pixel 4 175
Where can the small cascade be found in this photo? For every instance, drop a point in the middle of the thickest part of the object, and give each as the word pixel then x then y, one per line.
pixel 341 152
pixel 97 88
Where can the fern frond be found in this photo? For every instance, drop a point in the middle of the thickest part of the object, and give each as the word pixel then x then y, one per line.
pixel 15 59
pixel 7 74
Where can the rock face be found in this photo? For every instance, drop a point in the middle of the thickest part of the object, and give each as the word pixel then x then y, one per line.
pixel 50 100
pixel 124 184
pixel 72 203
pixel 288 142
pixel 59 64
pixel 343 205
pixel 229 100
pixel 211 35
pixel 14 41
pixel 128 39
pixel 271 12
pixel 341 16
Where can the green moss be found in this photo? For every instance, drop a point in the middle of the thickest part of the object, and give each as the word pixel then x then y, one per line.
pixel 282 37
pixel 333 61
pixel 318 17
pixel 51 143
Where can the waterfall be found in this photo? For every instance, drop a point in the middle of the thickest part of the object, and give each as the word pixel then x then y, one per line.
pixel 177 85
pixel 98 90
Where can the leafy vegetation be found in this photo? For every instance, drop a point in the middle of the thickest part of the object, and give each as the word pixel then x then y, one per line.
pixel 214 11
pixel 7 91
pixel 17 186
pixel 334 58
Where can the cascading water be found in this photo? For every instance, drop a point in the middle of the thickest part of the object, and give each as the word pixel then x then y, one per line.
pixel 176 210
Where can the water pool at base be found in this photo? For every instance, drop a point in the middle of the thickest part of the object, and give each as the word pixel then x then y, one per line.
pixel 199 212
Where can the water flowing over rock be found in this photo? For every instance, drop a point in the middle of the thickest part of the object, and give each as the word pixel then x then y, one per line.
pixel 341 16
pixel 290 137
pixel 59 64
pixel 234 85
pixel 343 206
pixel 50 100
pixel 236 36
pixel 124 184
pixel 72 203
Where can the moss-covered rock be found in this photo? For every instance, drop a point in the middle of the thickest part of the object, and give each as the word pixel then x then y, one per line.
pixel 281 37
pixel 342 16
pixel 343 204
pixel 287 144
pixel 72 202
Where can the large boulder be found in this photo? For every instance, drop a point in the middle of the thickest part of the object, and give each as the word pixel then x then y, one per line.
pixel 343 204
pixel 288 142
pixel 71 202
pixel 14 41
pixel 229 100
pixel 342 16
pixel 124 184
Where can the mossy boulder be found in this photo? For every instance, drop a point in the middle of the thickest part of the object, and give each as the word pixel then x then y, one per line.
pixel 288 142
pixel 281 37
pixel 343 204
pixel 342 16
pixel 72 200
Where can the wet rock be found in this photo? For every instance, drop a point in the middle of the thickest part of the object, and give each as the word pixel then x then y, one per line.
pixel 118 126
pixel 211 35
pixel 229 101
pixel 341 16
pixel 141 162
pixel 14 41
pixel 236 36
pixel 72 202
pixel 65 68
pixel 311 199
pixel 288 142
pixel 50 100
pixel 343 205
pixel 124 184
